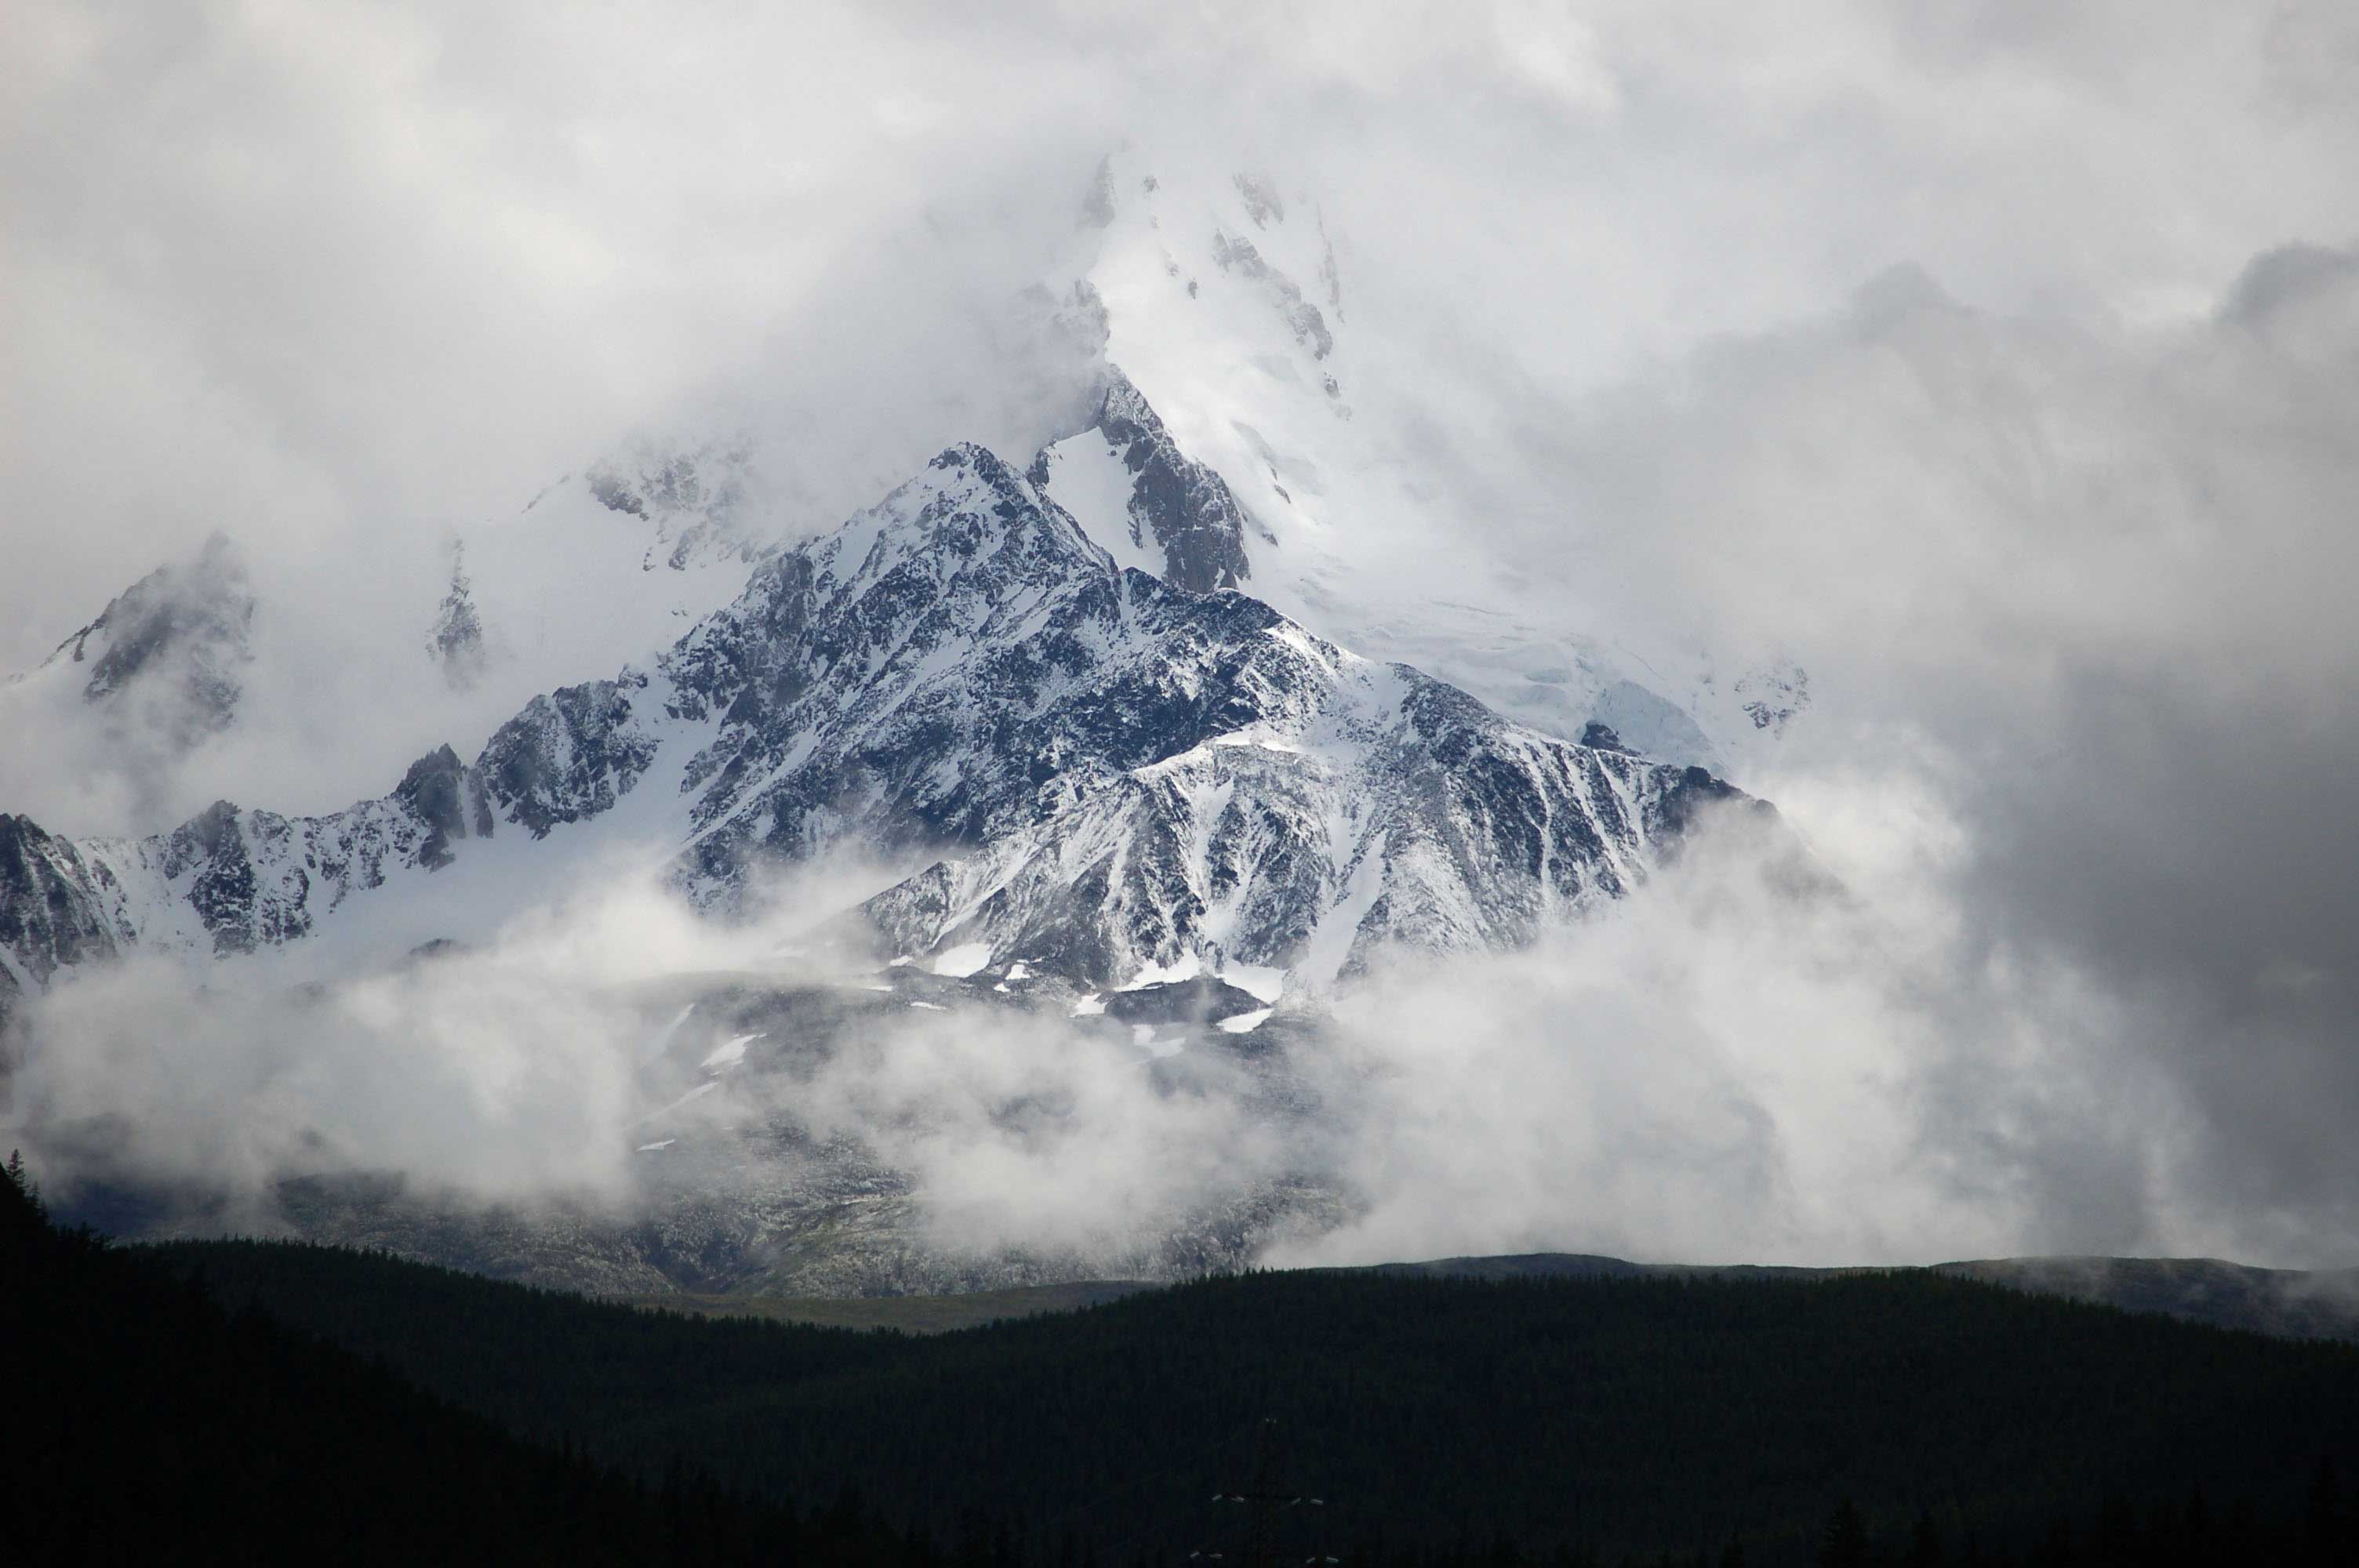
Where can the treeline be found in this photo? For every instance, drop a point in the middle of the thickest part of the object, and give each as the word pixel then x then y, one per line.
pixel 1439 1421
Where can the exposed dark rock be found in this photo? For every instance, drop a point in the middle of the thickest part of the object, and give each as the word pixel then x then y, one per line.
pixel 614 494
pixel 1261 199
pixel 456 640
pixel 692 498
pixel 449 798
pixel 1302 317
pixel 1178 507
pixel 166 653
pixel 568 755
pixel 1771 698
pixel 57 910
pixel 1196 1002
pixel 1601 737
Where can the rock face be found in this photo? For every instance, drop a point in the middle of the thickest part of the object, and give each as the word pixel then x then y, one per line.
pixel 54 911
pixel 1302 318
pixel 1109 772
pixel 455 640
pixel 689 497
pixel 1136 492
pixel 1124 775
pixel 169 647
pixel 229 881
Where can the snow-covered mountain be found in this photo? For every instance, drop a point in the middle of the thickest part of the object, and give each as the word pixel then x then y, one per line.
pixel 1104 774
pixel 1376 477
pixel 1048 690
pixel 238 670
pixel 1305 443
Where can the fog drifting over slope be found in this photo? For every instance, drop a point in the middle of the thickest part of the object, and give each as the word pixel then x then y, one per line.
pixel 1744 1062
pixel 2001 361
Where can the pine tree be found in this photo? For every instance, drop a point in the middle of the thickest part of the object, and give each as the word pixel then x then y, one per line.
pixel 26 1188
pixel 1845 1542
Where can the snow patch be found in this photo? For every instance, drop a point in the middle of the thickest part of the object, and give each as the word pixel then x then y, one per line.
pixel 1260 981
pixel 699 1092
pixel 730 1053
pixel 965 959
pixel 1186 968
pixel 1089 480
pixel 1247 1022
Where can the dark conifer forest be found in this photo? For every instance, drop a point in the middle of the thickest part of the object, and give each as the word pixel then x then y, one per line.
pixel 146 1422
pixel 238 1398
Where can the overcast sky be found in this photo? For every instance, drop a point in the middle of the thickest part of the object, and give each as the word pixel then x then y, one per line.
pixel 1999 360
pixel 297 269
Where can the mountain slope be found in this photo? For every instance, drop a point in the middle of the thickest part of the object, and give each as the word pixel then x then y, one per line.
pixel 1109 774
pixel 1395 484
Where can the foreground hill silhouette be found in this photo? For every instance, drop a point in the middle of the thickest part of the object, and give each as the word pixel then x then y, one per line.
pixel 1438 1418
pixel 145 1423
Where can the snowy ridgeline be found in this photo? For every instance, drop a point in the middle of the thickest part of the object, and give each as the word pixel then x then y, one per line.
pixel 1120 776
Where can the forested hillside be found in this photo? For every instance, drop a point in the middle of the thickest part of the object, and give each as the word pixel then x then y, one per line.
pixel 145 1423
pixel 1903 1413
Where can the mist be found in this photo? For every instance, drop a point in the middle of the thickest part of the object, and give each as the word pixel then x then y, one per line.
pixel 1996 364
pixel 1746 1062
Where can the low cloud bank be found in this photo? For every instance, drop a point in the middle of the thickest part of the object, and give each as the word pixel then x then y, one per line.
pixel 1746 1061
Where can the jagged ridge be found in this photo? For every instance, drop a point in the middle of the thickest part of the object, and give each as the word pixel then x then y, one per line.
pixel 1112 772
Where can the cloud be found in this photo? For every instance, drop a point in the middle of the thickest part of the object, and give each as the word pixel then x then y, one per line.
pixel 303 274
pixel 1745 1062
pixel 2054 509
pixel 538 1070
pixel 2077 593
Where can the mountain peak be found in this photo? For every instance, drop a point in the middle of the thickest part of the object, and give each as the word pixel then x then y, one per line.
pixel 1142 499
pixel 166 653
pixel 968 509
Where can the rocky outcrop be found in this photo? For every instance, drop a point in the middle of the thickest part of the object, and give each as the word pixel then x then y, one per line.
pixel 455 642
pixel 1237 254
pixel 692 497
pixel 1176 515
pixel 56 910
pixel 167 653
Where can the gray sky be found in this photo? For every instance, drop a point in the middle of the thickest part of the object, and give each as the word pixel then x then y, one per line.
pixel 1999 360
pixel 304 270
